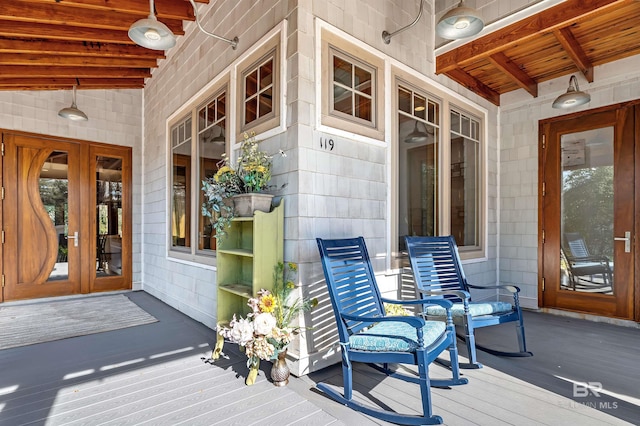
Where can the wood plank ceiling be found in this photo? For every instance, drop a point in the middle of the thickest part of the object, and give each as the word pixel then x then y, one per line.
pixel 56 44
pixel 571 37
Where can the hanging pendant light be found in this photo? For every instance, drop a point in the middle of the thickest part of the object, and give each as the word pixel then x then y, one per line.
pixel 460 22
pixel 573 97
pixel 72 112
pixel 417 135
pixel 151 33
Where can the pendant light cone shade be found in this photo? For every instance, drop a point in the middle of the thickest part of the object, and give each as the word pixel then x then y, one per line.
pixel 460 22
pixel 573 97
pixel 72 112
pixel 151 33
pixel 417 136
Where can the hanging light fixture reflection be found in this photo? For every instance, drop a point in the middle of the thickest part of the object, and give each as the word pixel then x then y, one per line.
pixel 417 135
pixel 460 22
pixel 72 112
pixel 220 138
pixel 573 97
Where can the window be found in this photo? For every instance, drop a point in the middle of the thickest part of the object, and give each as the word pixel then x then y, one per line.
pixel 258 86
pixel 181 184
pixel 418 163
pixel 351 98
pixel 211 146
pixel 438 180
pixel 191 163
pixel 258 91
pixel 465 179
pixel 353 89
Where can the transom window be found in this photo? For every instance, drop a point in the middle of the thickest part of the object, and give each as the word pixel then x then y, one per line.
pixel 353 89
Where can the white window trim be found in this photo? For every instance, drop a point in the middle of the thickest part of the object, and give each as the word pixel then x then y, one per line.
pixel 388 71
pixel 228 76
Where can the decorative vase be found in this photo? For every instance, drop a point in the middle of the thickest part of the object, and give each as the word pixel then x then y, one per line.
pixel 246 204
pixel 280 370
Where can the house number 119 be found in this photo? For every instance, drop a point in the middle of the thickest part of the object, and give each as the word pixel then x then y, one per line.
pixel 326 144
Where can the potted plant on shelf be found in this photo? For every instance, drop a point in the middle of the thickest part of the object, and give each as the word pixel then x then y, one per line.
pixel 268 329
pixel 240 189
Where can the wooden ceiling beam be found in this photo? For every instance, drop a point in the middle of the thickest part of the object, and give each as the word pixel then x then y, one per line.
pixel 561 15
pixel 165 9
pixel 62 32
pixel 574 50
pixel 74 48
pixel 474 85
pixel 17 71
pixel 521 78
pixel 74 17
pixel 75 61
pixel 66 83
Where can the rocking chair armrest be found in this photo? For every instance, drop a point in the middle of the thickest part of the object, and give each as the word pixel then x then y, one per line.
pixel 416 322
pixel 511 288
pixel 461 294
pixel 426 301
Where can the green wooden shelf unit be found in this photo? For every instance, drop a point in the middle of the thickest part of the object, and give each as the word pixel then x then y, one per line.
pixel 246 259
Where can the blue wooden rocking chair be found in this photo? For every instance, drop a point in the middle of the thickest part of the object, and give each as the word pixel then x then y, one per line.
pixel 368 336
pixel 437 271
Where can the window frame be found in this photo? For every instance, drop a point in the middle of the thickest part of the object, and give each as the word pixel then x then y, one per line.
pixel 272 47
pixel 330 45
pixel 448 103
pixel 354 62
pixel 193 253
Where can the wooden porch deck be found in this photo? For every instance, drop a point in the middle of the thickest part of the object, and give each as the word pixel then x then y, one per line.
pixel 156 374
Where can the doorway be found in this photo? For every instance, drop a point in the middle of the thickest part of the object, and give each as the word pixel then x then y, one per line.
pixel 587 226
pixel 66 217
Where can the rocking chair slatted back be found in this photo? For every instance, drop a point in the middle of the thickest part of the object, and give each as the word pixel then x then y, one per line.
pixel 438 267
pixel 353 294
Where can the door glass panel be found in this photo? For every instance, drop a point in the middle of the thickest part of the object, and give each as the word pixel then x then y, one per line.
pixel 587 211
pixel 108 216
pixel 54 193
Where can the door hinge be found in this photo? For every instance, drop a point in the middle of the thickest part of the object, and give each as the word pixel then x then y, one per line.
pixel 3 149
pixel 2 236
pixel 544 189
pixel 542 283
pixel 543 236
pixel 544 141
pixel 3 192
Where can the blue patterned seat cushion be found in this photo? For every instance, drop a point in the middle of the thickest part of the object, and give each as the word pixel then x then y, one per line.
pixel 476 309
pixel 395 336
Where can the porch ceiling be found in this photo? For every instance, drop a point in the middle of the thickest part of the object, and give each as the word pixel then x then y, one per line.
pixel 573 36
pixel 55 44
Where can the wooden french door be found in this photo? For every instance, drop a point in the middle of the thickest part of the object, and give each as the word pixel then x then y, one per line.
pixel 61 198
pixel 588 199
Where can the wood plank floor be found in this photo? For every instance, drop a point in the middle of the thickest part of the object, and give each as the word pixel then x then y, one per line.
pixel 157 374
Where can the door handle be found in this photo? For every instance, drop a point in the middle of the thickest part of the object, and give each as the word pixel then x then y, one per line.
pixel 74 238
pixel 627 241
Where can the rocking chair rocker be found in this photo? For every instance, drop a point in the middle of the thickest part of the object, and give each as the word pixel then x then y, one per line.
pixel 367 335
pixel 438 273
